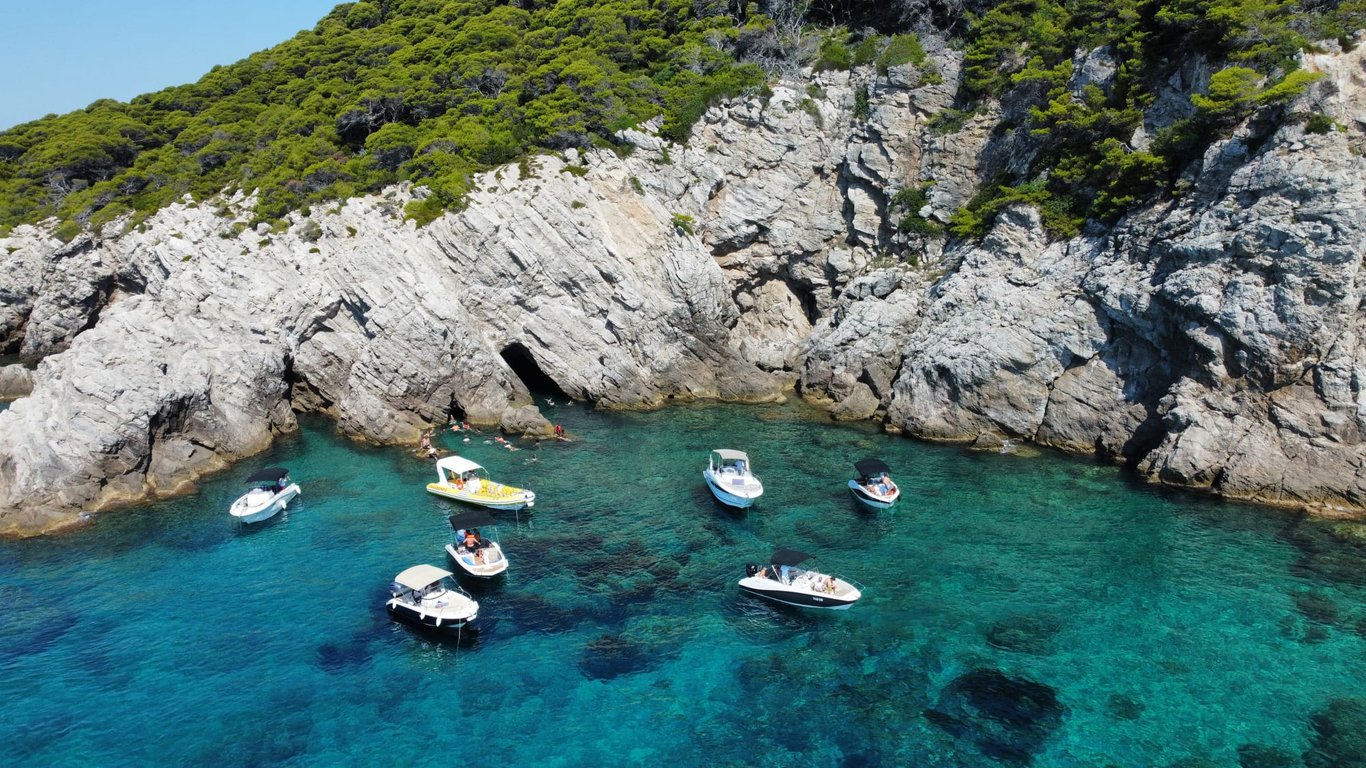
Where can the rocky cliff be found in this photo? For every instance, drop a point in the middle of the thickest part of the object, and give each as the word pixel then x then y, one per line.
pixel 1212 341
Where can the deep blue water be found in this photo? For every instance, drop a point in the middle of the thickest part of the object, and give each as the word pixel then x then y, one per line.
pixel 1018 610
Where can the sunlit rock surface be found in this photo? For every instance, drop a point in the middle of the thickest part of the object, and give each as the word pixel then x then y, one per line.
pixel 1212 341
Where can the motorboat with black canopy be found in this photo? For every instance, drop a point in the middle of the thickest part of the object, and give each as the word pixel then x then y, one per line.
pixel 475 548
pixel 874 487
pixel 730 479
pixel 463 480
pixel 425 595
pixel 271 491
pixel 784 581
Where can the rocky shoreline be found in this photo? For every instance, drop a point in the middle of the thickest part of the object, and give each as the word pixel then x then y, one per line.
pixel 1213 342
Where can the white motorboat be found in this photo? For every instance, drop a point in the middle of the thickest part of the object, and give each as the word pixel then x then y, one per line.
pixel 425 595
pixel 463 480
pixel 784 582
pixel 271 491
pixel 730 480
pixel 475 547
pixel 873 486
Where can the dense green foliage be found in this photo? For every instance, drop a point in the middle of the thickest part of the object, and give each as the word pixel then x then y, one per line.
pixel 433 91
pixel 1084 167
pixel 385 90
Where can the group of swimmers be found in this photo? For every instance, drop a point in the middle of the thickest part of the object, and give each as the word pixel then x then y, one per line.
pixel 431 451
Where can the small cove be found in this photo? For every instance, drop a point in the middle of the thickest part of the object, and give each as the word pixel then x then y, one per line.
pixel 1017 609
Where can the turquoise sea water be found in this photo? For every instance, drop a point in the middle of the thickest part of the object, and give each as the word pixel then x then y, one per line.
pixel 1018 610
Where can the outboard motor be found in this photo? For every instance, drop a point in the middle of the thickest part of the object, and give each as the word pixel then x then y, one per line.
pixel 751 569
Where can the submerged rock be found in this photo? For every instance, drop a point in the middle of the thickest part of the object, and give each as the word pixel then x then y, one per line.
pixel 1259 756
pixel 336 658
pixel 1317 607
pixel 1194 761
pixel 1025 634
pixel 1329 551
pixel 1006 718
pixel 1122 707
pixel 1337 735
pixel 611 656
pixel 533 613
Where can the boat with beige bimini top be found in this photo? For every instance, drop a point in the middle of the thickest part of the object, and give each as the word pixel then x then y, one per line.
pixel 463 480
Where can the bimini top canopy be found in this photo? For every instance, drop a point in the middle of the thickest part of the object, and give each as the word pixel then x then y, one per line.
pixel 471 519
pixel 456 465
pixel 268 475
pixel 871 467
pixel 788 557
pixel 420 576
pixel 725 454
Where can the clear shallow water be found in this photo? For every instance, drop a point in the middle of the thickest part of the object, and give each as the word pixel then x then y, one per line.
pixel 1017 609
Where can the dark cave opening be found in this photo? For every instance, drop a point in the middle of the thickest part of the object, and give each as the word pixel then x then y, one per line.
pixel 454 412
pixel 519 359
pixel 303 396
pixel 806 299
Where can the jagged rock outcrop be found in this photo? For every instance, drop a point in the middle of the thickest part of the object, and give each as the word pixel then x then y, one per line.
pixel 1212 341
pixel 15 381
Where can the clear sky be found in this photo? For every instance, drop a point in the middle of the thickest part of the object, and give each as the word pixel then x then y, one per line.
pixel 60 55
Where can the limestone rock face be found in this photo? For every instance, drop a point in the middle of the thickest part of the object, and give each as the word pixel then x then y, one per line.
pixel 15 381
pixel 1213 341
pixel 696 271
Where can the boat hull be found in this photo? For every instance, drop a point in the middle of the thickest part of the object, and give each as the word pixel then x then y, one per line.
pixel 501 497
pixel 247 510
pixel 486 570
pixel 741 500
pixel 410 614
pixel 796 597
pixel 873 500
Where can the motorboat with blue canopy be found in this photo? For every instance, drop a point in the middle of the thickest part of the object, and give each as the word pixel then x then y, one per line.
pixel 271 491
pixel 475 548
pixel 874 487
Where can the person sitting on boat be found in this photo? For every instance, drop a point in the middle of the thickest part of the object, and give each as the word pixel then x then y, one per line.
pixel 885 484
pixel 474 544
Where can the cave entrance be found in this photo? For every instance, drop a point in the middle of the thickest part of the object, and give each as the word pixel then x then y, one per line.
pixel 304 396
pixel 519 359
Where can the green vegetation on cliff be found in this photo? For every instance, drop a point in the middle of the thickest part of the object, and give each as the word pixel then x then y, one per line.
pixel 1085 165
pixel 434 90
pixel 380 91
